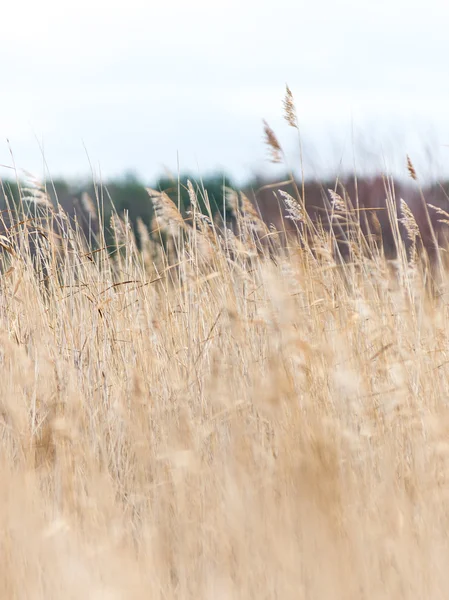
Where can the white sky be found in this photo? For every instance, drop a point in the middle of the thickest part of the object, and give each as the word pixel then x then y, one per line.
pixel 137 82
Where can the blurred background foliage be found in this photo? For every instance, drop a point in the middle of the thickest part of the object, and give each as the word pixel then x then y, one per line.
pixel 128 193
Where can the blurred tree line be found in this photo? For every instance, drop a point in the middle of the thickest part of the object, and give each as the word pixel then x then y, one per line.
pixel 127 193
pixel 124 194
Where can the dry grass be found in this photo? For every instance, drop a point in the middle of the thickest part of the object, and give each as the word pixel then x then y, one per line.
pixel 223 419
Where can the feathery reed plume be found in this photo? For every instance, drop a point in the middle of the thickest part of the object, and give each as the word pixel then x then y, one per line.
pixel 411 227
pixel 290 109
pixel 273 144
pixel 89 206
pixel 142 230
pixel 411 169
pixel 375 224
pixel 155 226
pixel 168 216
pixel 441 212
pixel 232 200
pixel 235 245
pixel 118 226
pixel 37 194
pixel 409 221
pixel 201 221
pixel 251 215
pixel 295 211
pixel 193 197
pixel 337 201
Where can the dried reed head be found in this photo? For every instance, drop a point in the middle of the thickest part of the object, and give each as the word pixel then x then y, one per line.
pixel 440 212
pixel 337 201
pixel 118 226
pixel 273 144
pixel 295 211
pixel 193 197
pixel 411 169
pixel 232 201
pixel 409 221
pixel 168 216
pixel 290 109
pixel 375 224
pixel 89 206
pixel 38 195
pixel 251 216
pixel 142 230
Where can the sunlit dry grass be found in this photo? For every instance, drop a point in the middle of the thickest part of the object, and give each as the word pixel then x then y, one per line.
pixel 228 417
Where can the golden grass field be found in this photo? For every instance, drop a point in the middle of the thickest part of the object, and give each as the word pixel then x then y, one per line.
pixel 222 418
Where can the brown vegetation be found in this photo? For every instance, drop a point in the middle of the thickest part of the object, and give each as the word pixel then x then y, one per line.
pixel 257 420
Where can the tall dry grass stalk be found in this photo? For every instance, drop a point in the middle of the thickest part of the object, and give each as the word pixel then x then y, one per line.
pixel 436 254
pixel 253 427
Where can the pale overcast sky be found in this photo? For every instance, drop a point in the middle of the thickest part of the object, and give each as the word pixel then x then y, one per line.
pixel 136 83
